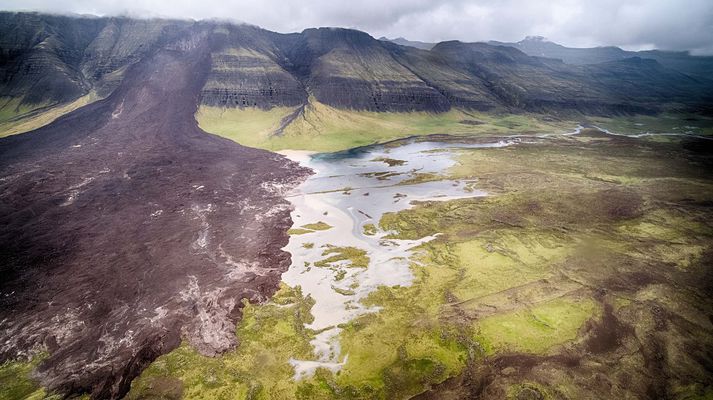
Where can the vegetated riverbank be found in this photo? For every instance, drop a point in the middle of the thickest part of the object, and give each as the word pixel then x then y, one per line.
pixel 348 258
pixel 584 273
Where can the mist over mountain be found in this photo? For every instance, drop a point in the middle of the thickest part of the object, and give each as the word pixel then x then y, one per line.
pixel 413 43
pixel 681 61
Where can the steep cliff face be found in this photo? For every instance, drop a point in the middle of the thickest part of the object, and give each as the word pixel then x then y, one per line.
pixel 248 70
pixel 522 82
pixel 340 67
pixel 121 43
pixel 350 69
pixel 48 60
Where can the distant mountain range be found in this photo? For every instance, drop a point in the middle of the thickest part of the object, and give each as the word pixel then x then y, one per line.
pixel 48 59
pixel 538 46
pixel 681 61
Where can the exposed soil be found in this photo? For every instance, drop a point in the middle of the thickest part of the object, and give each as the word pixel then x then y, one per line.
pixel 124 227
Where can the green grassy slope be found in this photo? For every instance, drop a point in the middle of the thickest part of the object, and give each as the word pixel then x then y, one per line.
pixel 323 128
pixel 18 118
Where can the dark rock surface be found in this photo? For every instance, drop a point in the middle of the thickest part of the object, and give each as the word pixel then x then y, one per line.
pixel 124 227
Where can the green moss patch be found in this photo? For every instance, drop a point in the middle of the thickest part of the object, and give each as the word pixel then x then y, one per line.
pixel 18 118
pixel 538 328
pixel 299 231
pixel 16 382
pixel 370 229
pixel 309 228
pixel 270 335
pixel 356 257
pixel 317 226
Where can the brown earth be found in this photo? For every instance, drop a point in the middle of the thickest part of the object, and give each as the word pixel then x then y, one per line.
pixel 124 227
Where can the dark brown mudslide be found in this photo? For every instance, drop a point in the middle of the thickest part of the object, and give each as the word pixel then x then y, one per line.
pixel 124 227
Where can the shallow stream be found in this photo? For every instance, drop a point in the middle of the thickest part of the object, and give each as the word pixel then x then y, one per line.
pixel 350 191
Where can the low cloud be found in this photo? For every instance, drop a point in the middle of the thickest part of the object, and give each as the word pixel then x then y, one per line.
pixel 634 24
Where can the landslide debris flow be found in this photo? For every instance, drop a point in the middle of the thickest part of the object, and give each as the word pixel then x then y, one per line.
pixel 124 227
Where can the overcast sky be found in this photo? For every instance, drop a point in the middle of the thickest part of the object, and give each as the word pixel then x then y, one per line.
pixel 632 24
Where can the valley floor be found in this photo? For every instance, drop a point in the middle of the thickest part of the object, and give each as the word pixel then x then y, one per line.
pixel 319 127
pixel 585 273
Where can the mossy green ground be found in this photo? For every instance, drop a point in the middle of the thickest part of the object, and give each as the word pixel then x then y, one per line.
pixel 259 368
pixel 309 228
pixel 318 226
pixel 536 329
pixel 355 257
pixel 572 227
pixel 16 382
pixel 536 253
pixel 370 229
pixel 325 128
pixel 18 118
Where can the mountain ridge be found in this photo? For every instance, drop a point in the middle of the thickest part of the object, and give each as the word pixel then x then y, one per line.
pixel 681 61
pixel 343 68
